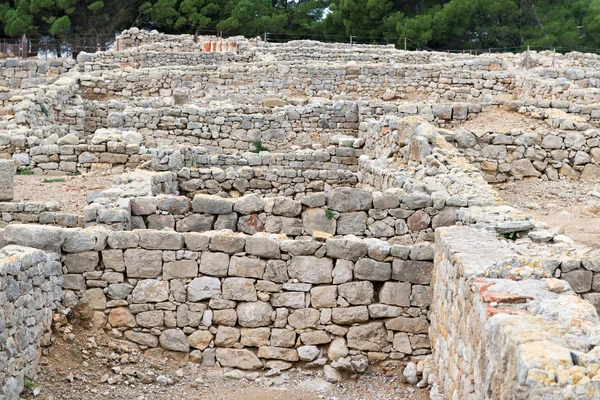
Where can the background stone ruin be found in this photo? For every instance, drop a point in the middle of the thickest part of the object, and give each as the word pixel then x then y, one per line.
pixel 304 204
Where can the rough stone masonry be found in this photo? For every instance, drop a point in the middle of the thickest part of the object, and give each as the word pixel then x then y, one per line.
pixel 305 205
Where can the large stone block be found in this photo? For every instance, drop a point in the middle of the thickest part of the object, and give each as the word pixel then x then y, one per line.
pixel 7 180
pixel 368 337
pixel 150 291
pixel 204 288
pixel 238 358
pixel 247 267
pixel 311 269
pixel 371 270
pixel 143 263
pixel 78 263
pixel 209 204
pixel 317 220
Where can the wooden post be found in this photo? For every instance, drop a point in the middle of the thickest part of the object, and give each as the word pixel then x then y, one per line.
pixel 527 59
pixel 404 43
pixel 350 40
pixel 265 37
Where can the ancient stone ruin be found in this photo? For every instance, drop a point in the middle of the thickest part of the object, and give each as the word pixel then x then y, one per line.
pixel 305 204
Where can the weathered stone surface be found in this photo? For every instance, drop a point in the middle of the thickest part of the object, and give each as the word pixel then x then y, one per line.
pixel 161 240
pixel 410 325
pixel 346 249
pixel 357 293
pixel 247 267
pixel 94 298
pixel 263 246
pixel 150 291
pixel 288 299
pixel 304 318
pixel 311 269
pixel 79 263
pixel 150 319
pixel 227 336
pixel 368 337
pixel 255 337
pixel 349 199
pixel 254 314
pixel 372 270
pixel 228 242
pixel 316 220
pixel 238 358
pixel 249 204
pixel 143 263
pixel 120 316
pixel 209 204
pixel 183 269
pixel 286 207
pixel 204 288
pixel 144 339
pixel 7 180
pixel 174 340
pixel 395 293
pixel 214 264
pixel 417 272
pixel 349 315
pixel 324 296
pixel 352 223
pixel 239 289
pixel 278 353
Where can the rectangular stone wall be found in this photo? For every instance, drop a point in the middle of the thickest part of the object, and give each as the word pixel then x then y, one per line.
pixel 571 153
pixel 247 299
pixel 30 289
pixel 521 335
pixel 459 81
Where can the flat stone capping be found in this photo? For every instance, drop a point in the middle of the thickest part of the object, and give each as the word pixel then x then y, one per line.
pixel 505 338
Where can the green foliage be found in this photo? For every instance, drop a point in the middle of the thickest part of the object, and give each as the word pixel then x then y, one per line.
pixel 258 147
pixel 436 24
pixel 329 214
pixel 44 110
pixel 53 180
pixel 509 235
pixel 23 171
pixel 28 383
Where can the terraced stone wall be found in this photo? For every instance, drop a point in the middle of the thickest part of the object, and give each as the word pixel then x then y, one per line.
pixel 248 301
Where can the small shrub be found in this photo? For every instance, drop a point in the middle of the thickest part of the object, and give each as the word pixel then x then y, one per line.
pixel 76 173
pixel 53 180
pixel 258 147
pixel 44 110
pixel 28 383
pixel 23 171
pixel 329 214
pixel 509 235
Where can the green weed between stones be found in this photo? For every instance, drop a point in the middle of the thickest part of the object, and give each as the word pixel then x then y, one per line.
pixel 258 147
pixel 53 180
pixel 329 214
pixel 23 171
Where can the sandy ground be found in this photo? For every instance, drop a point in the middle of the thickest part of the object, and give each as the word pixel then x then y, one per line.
pixel 575 205
pixel 70 191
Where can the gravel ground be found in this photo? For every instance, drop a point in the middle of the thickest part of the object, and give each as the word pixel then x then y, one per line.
pixel 70 191
pixel 575 205
pixel 86 364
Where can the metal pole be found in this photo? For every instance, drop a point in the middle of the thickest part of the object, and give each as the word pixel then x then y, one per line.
pixel 350 40
pixel 265 37
pixel 404 43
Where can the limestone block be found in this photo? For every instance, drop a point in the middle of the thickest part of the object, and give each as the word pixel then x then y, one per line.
pixel 7 180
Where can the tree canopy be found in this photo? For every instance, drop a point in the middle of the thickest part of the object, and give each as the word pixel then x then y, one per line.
pixel 435 24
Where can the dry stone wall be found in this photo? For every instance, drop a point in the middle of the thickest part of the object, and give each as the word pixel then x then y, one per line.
pixel 246 300
pixel 30 291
